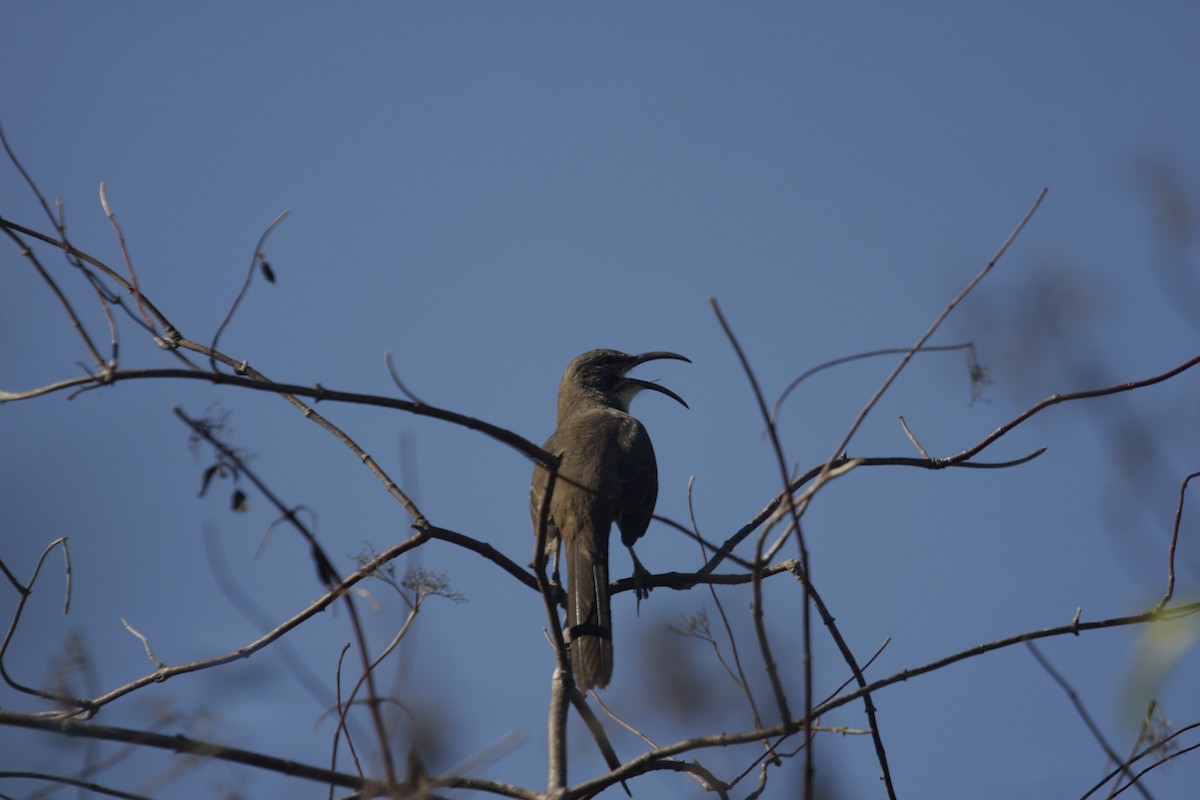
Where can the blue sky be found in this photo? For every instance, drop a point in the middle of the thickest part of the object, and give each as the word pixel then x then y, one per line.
pixel 487 190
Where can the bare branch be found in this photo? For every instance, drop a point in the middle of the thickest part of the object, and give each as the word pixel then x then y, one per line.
pixel 32 258
pixel 249 649
pixel 82 784
pixel 757 611
pixel 329 577
pixel 638 764
pixel 976 372
pixel 254 262
pixel 1174 541
pixel 1080 709
pixel 318 393
pixel 740 676
pixel 1138 777
pixel 562 683
pixel 1155 747
pixel 179 744
pixel 133 280
pixel 579 702
pixel 169 335
pixel 908 432
pixel 145 643
pixel 26 591
pixel 1054 400
pixel 1073 629
pixel 387 357
pixel 862 415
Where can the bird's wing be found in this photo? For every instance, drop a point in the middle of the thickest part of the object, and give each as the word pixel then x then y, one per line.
pixel 638 476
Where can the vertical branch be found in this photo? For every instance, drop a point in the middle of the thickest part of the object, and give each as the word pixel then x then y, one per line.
pixel 560 691
pixel 795 509
pixel 806 614
pixel 563 682
pixel 342 728
pixel 1174 541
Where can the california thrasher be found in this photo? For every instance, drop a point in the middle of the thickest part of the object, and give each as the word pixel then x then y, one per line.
pixel 607 474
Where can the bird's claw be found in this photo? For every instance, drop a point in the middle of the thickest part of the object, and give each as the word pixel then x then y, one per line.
pixel 640 577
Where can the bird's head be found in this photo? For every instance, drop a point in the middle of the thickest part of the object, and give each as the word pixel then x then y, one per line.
pixel 600 374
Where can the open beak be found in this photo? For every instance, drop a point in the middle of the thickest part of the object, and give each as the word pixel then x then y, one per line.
pixel 653 356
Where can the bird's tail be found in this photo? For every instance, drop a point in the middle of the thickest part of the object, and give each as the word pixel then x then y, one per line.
pixel 589 617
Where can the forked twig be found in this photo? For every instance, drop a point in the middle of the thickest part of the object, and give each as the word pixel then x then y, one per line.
pixel 974 367
pixel 255 260
pixel 329 577
pixel 740 677
pixel 133 280
pixel 25 590
pixel 937 323
pixel 1139 756
pixel 1081 710
pixel 796 509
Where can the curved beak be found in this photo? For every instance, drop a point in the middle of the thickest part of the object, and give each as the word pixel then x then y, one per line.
pixel 653 356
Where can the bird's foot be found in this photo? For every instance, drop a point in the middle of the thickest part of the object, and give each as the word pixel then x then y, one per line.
pixel 640 577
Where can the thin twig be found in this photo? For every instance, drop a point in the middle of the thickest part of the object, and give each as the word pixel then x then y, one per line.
pixel 895 373
pixel 1139 756
pixel 1143 728
pixel 366 679
pixel 890 351
pixel 133 280
pixel 252 379
pixel 592 722
pixel 1054 400
pixel 1174 541
pixel 249 649
pixel 25 590
pixel 740 676
pixel 812 597
pixel 341 727
pixel 144 304
pixel 90 786
pixel 1138 777
pixel 637 764
pixel 254 262
pixel 1080 709
pixel 252 612
pixel 145 643
pixel 177 743
pixel 329 576
pixel 58 219
pixel 961 459
pixel 862 415
pixel 757 613
pixel 866 666
pixel 387 357
pixel 29 255
pixel 1074 628
pixel 908 432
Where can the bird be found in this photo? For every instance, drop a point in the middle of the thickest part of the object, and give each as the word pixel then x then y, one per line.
pixel 607 473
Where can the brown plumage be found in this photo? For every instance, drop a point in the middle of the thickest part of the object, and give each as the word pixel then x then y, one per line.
pixel 608 474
